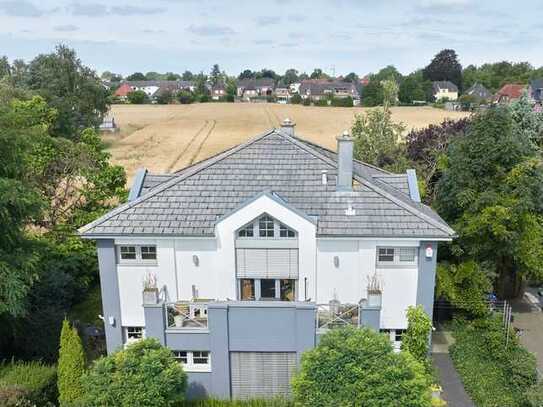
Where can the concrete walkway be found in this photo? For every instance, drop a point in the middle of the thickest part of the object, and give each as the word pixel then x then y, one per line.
pixel 453 389
pixel 528 318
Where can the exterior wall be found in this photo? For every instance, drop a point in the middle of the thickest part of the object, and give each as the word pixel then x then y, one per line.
pixel 427 277
pixel 443 93
pixel 236 326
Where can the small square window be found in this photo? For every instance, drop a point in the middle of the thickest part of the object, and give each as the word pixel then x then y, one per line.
pixel 181 356
pixel 200 358
pixel 398 335
pixel 386 254
pixel 133 333
pixel 148 252
pixel 407 254
pixel 128 252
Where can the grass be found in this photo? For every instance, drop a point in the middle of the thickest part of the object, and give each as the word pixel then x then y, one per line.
pixel 27 383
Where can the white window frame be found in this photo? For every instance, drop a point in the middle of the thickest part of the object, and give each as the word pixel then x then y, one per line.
pixel 397 262
pixel 258 289
pixel 391 333
pixel 138 259
pixel 190 366
pixel 126 334
pixel 278 227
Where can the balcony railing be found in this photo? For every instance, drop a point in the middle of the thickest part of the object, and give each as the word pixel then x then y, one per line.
pixel 337 315
pixel 187 314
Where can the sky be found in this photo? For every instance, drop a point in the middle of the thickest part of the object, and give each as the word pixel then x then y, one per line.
pixel 338 36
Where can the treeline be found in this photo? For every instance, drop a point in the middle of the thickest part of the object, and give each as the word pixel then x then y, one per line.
pixel 55 177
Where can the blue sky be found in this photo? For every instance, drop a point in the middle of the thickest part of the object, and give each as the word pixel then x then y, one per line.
pixel 342 35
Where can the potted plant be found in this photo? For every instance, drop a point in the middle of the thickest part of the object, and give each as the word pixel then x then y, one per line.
pixel 374 291
pixel 150 289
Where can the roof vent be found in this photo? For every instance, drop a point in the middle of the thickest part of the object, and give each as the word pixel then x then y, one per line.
pixel 288 126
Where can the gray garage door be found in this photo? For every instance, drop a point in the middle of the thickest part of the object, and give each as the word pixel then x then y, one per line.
pixel 261 374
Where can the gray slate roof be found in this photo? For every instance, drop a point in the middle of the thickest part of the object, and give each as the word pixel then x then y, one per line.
pixel 191 201
pixel 479 91
pixel 451 87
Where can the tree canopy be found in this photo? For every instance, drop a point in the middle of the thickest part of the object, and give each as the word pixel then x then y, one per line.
pixel 444 67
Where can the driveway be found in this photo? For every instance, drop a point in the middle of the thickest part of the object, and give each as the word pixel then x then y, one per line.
pixel 528 318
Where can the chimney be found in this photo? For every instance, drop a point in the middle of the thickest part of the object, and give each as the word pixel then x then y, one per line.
pixel 288 126
pixel 345 146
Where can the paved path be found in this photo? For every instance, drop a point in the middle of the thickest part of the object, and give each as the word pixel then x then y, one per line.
pixel 528 317
pixel 453 389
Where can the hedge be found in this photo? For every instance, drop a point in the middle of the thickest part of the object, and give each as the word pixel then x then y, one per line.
pixel 493 375
pixel 27 384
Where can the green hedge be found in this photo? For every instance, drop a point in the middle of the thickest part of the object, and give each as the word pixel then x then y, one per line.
pixel 492 374
pixel 27 384
pixel 238 403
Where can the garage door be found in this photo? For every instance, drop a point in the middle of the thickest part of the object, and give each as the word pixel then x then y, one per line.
pixel 261 374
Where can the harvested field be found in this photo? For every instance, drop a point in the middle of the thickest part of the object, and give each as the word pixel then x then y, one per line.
pixel 165 138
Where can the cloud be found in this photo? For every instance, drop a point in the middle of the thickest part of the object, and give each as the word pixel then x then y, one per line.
pixel 268 20
pixel 210 30
pixel 135 10
pixel 288 44
pixel 296 35
pixel 20 8
pixel 88 9
pixel 263 42
pixel 66 28
pixel 296 18
pixel 151 31
pixel 444 6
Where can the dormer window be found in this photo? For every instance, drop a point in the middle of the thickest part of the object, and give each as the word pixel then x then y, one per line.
pixel 265 226
pixel 247 231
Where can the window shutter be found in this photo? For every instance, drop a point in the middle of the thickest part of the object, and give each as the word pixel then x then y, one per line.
pixel 267 263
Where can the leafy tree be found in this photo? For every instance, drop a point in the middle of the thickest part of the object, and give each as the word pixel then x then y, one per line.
pixel 71 366
pixel 491 192
pixel 200 82
pixel 5 68
pixel 372 94
pixel 376 140
pixel 187 76
pixel 164 97
pixel 527 121
pixel 466 286
pixel 290 76
pixel 185 97
pixel 71 88
pixel 215 75
pixel 143 374
pixel 231 89
pixel 352 77
pixel 444 67
pixel 19 73
pixel 246 74
pixel 427 148
pixel 266 73
pixel 172 76
pixel 414 88
pixel 296 99
pixel 112 77
pixel 358 367
pixel 137 97
pixel 153 76
pixel 390 93
pixel 318 74
pixel 136 76
pixel 416 339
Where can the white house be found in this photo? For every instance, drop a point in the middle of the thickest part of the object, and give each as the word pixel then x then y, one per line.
pixel 259 250
pixel 444 90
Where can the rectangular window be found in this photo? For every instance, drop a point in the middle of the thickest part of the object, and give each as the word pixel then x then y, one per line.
pixel 128 252
pixel 386 254
pixel 286 232
pixel 287 288
pixel 247 231
pixel 267 289
pixel 133 334
pixel 247 289
pixel 265 226
pixel 407 254
pixel 398 335
pixel 194 361
pixel 148 252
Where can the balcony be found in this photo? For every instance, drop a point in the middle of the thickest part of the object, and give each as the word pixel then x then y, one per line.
pixel 187 314
pixel 337 315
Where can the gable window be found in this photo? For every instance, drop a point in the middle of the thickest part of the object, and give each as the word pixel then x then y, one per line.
pixel 397 256
pixel 266 226
pixel 194 361
pixel 247 231
pixel 146 254
pixel 286 231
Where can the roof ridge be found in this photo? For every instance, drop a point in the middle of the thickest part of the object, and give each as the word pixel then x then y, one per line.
pixel 171 182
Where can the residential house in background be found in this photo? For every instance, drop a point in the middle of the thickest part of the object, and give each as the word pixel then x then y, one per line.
pixel 509 92
pixel 535 91
pixel 282 92
pixel 478 91
pixel 317 89
pixel 152 89
pixel 240 262
pixel 123 91
pixel 218 91
pixel 444 90
pixel 248 89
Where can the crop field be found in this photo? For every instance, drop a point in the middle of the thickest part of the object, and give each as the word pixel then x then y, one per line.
pixel 165 138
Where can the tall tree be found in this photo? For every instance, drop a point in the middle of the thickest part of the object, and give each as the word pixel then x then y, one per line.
pixel 290 76
pixel 215 75
pixel 136 76
pixel 71 366
pixel 5 68
pixel 444 67
pixel 318 74
pixel 187 76
pixel 352 77
pixel 246 74
pixel 73 89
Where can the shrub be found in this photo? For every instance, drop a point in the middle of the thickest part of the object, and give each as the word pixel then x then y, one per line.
pixel 343 102
pixel 185 97
pixel 321 102
pixel 275 402
pixel 296 99
pixel 143 374
pixel 203 98
pixel 27 384
pixel 354 367
pixel 71 366
pixel 137 97
pixel 534 396
pixel 416 338
pixel 306 102
pixel 492 374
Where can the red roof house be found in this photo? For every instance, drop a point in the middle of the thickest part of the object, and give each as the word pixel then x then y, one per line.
pixel 509 92
pixel 123 90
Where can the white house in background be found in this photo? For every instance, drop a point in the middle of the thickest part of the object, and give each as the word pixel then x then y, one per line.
pixel 259 250
pixel 444 90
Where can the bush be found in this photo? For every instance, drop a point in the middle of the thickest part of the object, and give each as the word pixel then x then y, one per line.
pixel 358 367
pixel 534 395
pixel 416 338
pixel 137 97
pixel 203 98
pixel 277 402
pixel 343 102
pixel 27 384
pixel 71 366
pixel 185 97
pixel 296 99
pixel 143 374
pixel 306 102
pixel 492 374
pixel 321 102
